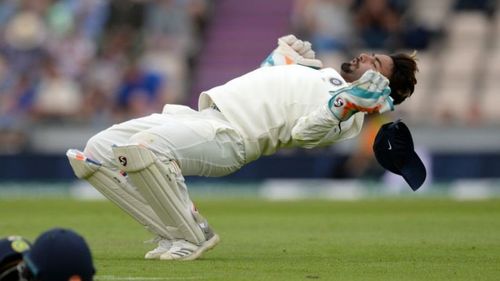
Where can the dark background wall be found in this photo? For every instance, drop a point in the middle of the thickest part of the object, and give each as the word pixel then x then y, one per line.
pixel 445 167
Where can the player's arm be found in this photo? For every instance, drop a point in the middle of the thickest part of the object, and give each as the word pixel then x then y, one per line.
pixel 321 128
pixel 342 116
pixel 292 50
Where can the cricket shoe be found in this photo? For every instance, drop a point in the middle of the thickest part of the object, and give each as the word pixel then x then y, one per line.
pixel 163 246
pixel 183 250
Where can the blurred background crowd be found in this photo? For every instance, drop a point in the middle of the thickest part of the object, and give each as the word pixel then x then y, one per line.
pixel 69 68
pixel 94 61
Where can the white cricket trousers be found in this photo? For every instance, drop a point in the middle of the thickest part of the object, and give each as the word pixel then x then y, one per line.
pixel 203 143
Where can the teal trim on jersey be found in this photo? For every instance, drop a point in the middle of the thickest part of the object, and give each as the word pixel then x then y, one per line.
pixel 269 60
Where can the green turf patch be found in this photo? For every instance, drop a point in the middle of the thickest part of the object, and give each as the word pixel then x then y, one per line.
pixel 425 239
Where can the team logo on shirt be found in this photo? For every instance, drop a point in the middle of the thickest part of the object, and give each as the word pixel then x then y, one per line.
pixel 338 102
pixel 335 81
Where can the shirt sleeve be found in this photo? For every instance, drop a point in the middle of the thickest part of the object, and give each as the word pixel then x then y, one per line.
pixel 321 128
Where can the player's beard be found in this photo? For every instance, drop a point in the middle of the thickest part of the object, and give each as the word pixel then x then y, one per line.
pixel 346 67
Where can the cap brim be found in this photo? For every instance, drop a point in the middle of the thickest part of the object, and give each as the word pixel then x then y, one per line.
pixel 414 172
pixel 29 263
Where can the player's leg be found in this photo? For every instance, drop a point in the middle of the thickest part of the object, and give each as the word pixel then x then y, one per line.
pixel 199 145
pixel 159 183
pixel 114 186
pixel 97 166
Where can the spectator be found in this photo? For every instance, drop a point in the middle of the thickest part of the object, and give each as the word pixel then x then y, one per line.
pixel 378 24
pixel 327 22
pixel 128 14
pixel 165 63
pixel 57 96
pixel 141 91
pixel 24 37
pixel 15 104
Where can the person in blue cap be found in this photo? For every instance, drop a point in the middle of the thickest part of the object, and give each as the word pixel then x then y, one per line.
pixel 11 256
pixel 59 255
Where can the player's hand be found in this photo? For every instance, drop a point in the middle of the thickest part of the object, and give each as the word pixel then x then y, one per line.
pixel 292 50
pixel 303 48
pixel 369 94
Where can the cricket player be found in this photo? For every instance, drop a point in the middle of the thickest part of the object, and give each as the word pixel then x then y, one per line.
pixel 58 254
pixel 12 249
pixel 291 101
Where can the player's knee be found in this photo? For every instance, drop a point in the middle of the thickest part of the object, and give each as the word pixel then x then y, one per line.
pixel 152 142
pixel 145 139
pixel 99 148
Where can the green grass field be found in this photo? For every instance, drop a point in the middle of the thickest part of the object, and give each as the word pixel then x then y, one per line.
pixel 397 239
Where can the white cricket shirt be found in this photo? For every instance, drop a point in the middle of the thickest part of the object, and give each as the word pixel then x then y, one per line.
pixel 282 106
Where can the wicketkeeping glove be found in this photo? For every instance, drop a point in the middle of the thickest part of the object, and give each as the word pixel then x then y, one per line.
pixel 369 94
pixel 292 50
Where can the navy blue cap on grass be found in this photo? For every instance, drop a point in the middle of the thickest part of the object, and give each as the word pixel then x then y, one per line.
pixel 11 254
pixel 394 150
pixel 12 248
pixel 60 255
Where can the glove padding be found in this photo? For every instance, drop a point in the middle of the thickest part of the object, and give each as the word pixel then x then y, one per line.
pixel 368 94
pixel 292 50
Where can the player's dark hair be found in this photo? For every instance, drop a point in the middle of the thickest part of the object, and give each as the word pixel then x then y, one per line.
pixel 402 81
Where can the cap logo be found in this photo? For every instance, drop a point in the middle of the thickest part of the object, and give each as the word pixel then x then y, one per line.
pixel 339 102
pixel 122 160
pixel 390 146
pixel 19 246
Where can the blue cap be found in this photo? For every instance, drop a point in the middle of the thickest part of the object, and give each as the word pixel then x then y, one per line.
pixel 60 255
pixel 394 150
pixel 11 254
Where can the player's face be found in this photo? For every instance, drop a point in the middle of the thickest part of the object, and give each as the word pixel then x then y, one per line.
pixel 352 71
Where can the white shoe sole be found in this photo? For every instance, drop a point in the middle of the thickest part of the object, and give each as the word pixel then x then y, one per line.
pixel 154 256
pixel 207 245
pixel 149 256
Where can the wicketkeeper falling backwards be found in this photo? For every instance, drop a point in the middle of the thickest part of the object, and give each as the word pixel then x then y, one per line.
pixel 291 101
